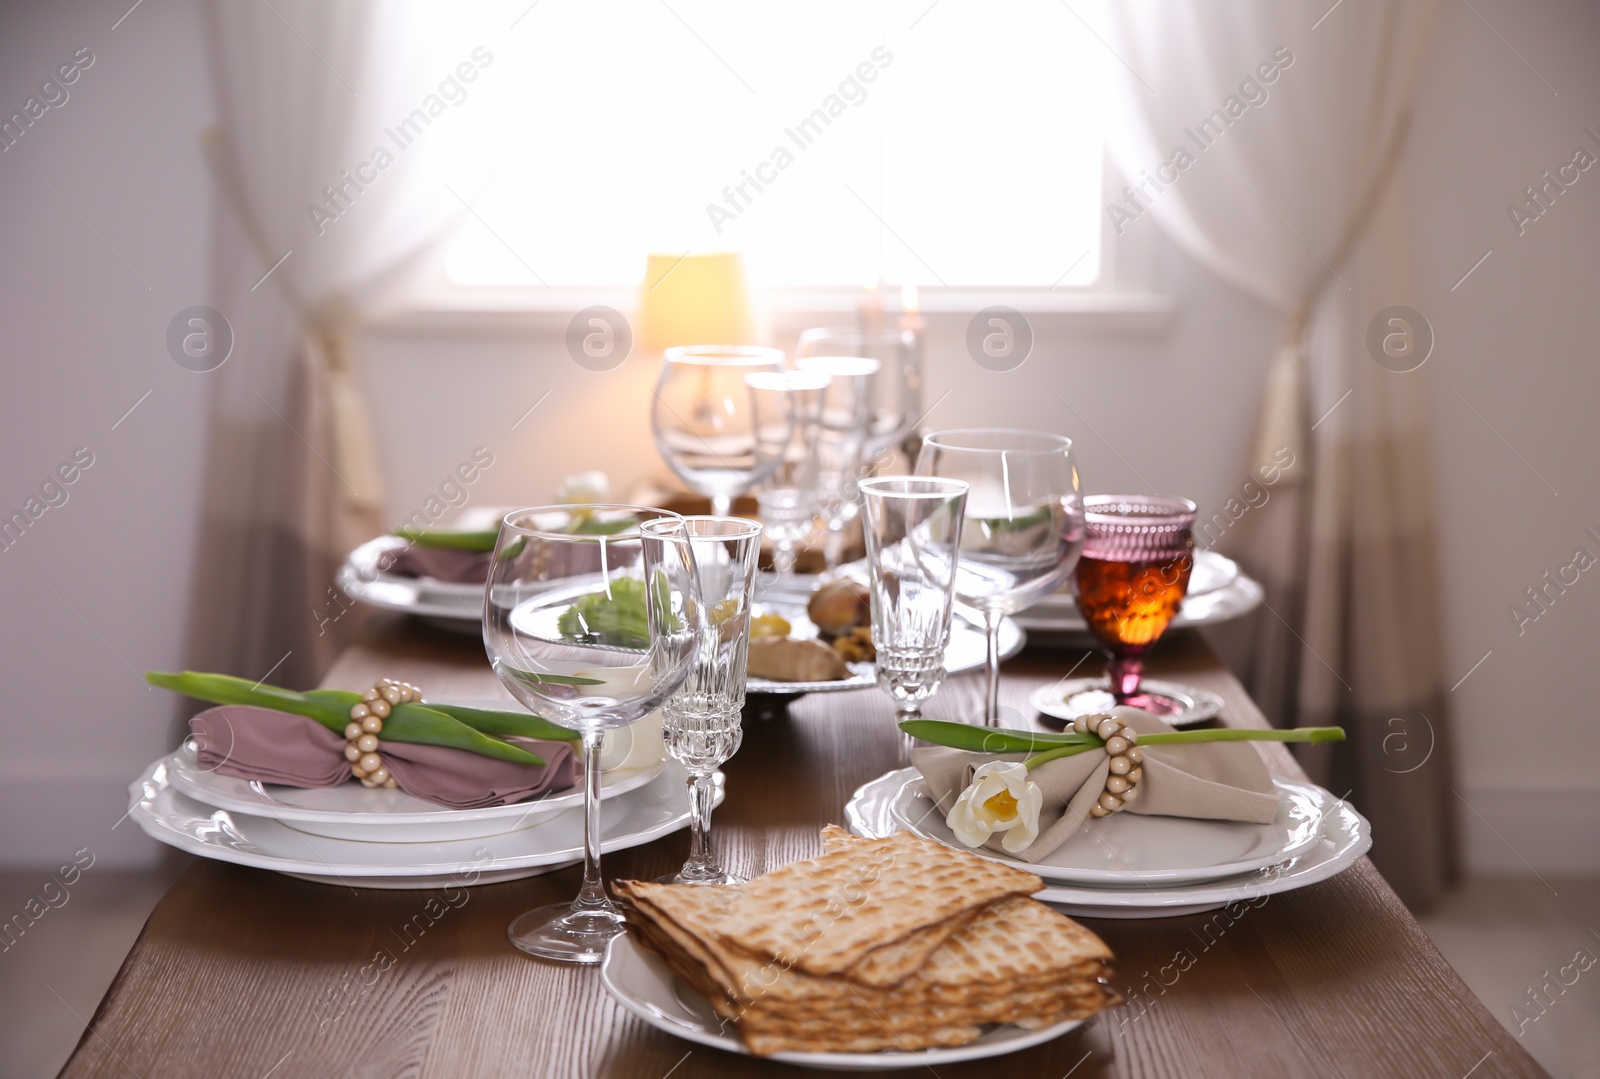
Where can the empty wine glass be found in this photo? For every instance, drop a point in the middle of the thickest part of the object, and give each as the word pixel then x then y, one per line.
pixel 896 389
pixel 700 722
pixel 913 534
pixel 590 625
pixel 1024 523
pixel 841 441
pixel 788 407
pixel 1131 580
pixel 703 422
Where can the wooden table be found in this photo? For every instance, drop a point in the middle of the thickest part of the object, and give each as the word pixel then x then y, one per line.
pixel 241 972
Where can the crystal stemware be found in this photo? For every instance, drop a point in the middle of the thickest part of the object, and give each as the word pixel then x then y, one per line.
pixel 704 423
pixel 1023 527
pixel 788 409
pixel 913 534
pixel 700 722
pixel 1130 582
pixel 841 442
pixel 896 390
pixel 589 624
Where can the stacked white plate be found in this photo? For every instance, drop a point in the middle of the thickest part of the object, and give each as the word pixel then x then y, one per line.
pixel 357 837
pixel 1133 866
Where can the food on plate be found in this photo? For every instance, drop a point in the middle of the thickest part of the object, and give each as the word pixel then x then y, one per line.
pixel 770 624
pixel 897 944
pixel 791 659
pixel 839 606
pixel 616 617
pixel 856 646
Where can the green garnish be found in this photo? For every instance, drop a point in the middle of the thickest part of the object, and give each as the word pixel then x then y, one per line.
pixel 1045 747
pixel 616 618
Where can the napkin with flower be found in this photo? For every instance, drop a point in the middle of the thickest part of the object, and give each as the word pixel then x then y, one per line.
pixel 995 801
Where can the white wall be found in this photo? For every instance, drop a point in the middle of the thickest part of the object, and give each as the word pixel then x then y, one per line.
pixel 1517 481
pixel 96 589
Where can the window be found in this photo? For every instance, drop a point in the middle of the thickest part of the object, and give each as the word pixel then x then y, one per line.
pixel 834 143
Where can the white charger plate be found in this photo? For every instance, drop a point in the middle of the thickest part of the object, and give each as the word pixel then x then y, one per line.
pixel 644 985
pixel 351 811
pixel 1131 849
pixel 1344 837
pixel 655 809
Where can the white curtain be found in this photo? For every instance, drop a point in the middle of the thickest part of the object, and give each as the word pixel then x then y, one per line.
pixel 1292 118
pixel 338 163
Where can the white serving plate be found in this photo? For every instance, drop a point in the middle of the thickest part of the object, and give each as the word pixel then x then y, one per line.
pixel 1129 849
pixel 644 985
pixel 655 809
pixel 351 811
pixel 1344 837
pixel 967 651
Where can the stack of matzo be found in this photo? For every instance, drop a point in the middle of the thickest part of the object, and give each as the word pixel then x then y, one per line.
pixel 898 943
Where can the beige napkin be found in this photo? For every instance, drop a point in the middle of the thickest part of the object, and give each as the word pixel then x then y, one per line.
pixel 1212 781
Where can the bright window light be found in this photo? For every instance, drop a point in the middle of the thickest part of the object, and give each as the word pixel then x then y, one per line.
pixel 834 143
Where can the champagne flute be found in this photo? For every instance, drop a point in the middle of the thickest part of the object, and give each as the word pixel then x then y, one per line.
pixel 700 722
pixel 841 442
pixel 590 625
pixel 913 534
pixel 704 423
pixel 1023 528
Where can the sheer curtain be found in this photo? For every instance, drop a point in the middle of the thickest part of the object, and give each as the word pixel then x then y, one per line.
pixel 330 159
pixel 1291 119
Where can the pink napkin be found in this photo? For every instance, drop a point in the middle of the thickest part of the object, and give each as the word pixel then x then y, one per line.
pixel 440 563
pixel 276 747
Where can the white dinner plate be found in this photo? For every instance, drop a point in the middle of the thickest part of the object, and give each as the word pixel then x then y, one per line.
pixel 645 986
pixel 658 808
pixel 460 606
pixel 1127 849
pixel 1344 837
pixel 351 811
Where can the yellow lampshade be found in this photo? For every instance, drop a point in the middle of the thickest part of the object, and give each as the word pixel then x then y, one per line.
pixel 693 300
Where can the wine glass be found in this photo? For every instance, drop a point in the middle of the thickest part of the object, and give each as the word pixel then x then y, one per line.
pixel 896 390
pixel 703 422
pixel 841 440
pixel 787 409
pixel 1131 580
pixel 913 535
pixel 1024 523
pixel 590 625
pixel 700 722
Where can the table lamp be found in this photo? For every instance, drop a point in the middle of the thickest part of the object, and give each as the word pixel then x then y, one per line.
pixel 694 300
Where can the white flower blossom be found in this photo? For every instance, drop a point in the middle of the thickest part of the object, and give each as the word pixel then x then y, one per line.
pixel 586 488
pixel 999 799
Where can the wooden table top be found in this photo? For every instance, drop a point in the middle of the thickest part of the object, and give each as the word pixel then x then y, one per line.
pixel 242 972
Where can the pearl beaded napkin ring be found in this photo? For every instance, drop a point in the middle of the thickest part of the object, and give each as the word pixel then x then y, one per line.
pixel 1122 784
pixel 366 723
